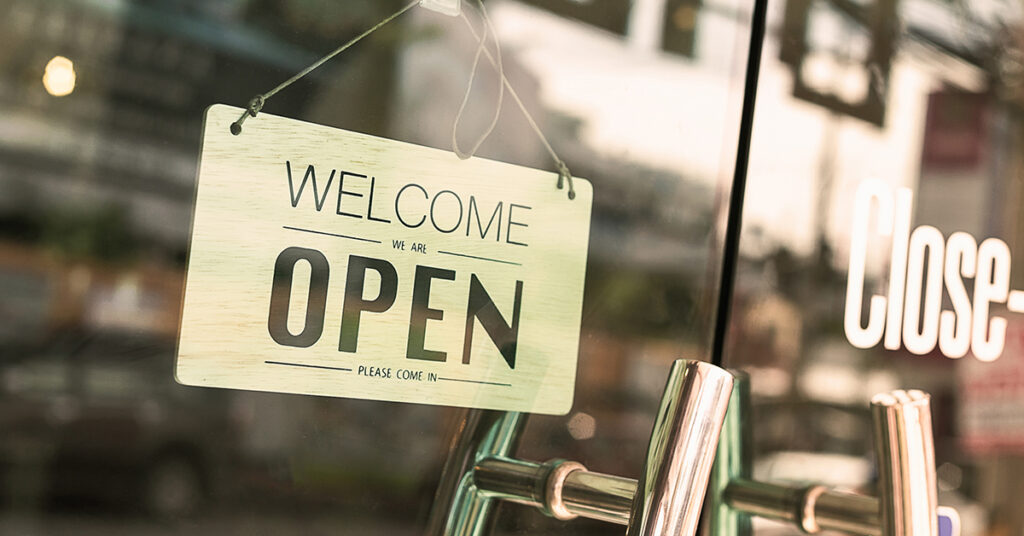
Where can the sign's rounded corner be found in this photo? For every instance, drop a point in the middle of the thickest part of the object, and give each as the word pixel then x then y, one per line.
pixel 216 106
pixel 566 407
pixel 183 378
pixel 577 181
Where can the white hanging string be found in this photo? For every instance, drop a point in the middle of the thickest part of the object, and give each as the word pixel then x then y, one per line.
pixel 256 104
pixel 481 46
pixel 563 170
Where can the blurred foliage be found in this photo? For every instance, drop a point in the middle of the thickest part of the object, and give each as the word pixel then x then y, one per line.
pixel 104 234
pixel 636 304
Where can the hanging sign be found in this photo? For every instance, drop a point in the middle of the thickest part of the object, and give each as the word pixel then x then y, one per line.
pixel 333 263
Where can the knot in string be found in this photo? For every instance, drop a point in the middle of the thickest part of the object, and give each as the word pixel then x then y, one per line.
pixel 255 107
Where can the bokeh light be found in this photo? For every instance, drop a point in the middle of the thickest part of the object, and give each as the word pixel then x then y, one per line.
pixel 59 76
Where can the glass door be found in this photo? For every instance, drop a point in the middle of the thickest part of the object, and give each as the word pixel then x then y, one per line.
pixel 102 108
pixel 880 242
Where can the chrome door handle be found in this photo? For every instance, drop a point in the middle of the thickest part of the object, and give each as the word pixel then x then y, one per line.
pixel 906 463
pixel 906 505
pixel 666 501
pixel 671 489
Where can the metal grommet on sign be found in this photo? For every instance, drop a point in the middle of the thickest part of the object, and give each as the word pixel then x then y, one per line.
pixel 558 470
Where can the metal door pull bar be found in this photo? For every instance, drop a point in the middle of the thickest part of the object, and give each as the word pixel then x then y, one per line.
pixel 812 508
pixel 815 508
pixel 562 495
pixel 665 501
pixel 906 505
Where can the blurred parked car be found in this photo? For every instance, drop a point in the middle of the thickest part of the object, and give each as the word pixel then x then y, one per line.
pixel 99 416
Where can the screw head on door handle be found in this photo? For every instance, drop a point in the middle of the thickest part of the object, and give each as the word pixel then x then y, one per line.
pixel 667 500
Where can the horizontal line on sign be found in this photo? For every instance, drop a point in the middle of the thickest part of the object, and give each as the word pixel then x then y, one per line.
pixel 332 234
pixel 475 381
pixel 479 258
pixel 304 365
pixel 1016 301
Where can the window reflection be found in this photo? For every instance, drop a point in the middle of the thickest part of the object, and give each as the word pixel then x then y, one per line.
pixel 100 115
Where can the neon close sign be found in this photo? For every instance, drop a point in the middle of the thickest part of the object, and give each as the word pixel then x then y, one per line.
pixel 922 262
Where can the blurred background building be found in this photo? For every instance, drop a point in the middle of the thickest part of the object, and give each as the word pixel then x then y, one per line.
pixel 101 108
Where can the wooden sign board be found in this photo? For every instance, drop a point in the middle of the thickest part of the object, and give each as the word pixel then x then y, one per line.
pixel 333 263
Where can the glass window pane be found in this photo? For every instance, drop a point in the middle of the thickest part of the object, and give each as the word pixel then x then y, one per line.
pixel 101 108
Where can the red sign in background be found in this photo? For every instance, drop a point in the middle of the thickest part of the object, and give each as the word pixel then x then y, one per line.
pixel 991 419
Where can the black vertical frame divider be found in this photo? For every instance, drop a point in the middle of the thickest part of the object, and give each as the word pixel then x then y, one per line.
pixel 734 222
